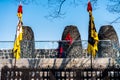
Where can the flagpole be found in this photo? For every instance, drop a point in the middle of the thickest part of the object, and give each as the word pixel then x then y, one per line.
pixel 14 43
pixel 13 48
pixel 16 37
pixel 91 66
pixel 91 49
pixel 91 60
pixel 15 63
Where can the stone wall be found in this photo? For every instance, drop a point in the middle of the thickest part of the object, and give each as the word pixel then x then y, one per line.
pixel 27 44
pixel 74 49
pixel 106 47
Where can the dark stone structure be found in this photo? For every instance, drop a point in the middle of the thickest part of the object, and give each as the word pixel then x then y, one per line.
pixel 107 47
pixel 27 44
pixel 74 49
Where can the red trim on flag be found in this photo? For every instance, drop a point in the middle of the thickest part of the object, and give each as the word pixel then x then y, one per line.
pixel 89 7
pixel 20 9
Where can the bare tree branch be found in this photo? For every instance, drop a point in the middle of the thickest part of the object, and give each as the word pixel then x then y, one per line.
pixel 55 6
pixel 115 21
pixel 113 6
pixel 62 2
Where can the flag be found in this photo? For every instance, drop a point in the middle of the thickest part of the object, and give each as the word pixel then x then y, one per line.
pixel 92 33
pixel 17 49
pixel 68 38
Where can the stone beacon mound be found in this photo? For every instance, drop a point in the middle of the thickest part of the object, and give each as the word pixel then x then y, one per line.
pixel 73 49
pixel 105 48
pixel 27 44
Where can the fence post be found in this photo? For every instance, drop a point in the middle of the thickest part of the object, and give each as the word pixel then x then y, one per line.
pixel 52 74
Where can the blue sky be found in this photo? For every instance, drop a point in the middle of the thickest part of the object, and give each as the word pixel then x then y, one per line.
pixel 45 29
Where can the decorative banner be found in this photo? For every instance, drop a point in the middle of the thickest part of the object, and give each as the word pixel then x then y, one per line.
pixel 17 49
pixel 92 33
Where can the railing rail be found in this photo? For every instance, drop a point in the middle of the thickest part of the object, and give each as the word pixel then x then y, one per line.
pixel 59 74
pixel 44 48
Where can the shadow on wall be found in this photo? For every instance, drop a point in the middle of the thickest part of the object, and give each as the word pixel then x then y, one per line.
pixel 70 48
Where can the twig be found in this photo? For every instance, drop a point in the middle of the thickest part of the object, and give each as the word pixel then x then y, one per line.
pixel 61 4
pixel 114 21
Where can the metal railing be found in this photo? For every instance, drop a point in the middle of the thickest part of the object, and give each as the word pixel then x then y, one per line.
pixel 59 74
pixel 49 49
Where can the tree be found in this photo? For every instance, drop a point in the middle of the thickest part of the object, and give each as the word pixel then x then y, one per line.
pixel 56 6
pixel 113 7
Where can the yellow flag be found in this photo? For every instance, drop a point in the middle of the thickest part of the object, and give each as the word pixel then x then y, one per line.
pixel 17 47
pixel 92 34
